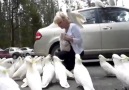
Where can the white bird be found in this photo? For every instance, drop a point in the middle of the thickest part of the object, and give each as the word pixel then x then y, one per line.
pixel 21 72
pixel 2 59
pixel 39 63
pixel 111 2
pixel 81 74
pixel 7 62
pixel 32 76
pixel 48 71
pixel 121 73
pixel 108 68
pixel 76 17
pixel 18 62
pixel 125 61
pixel 117 61
pixel 7 83
pixel 60 72
pixel 126 58
pixel 99 3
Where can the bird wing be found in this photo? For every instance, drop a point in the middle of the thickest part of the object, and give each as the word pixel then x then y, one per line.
pixel 83 77
pixel 108 68
pixel 111 2
pixel 76 17
pixel 99 3
pixel 8 84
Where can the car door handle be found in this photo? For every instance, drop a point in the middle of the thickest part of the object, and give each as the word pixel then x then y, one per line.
pixel 107 28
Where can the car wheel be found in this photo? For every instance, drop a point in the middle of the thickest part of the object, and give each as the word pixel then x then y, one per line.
pixel 14 56
pixel 55 49
pixel 27 54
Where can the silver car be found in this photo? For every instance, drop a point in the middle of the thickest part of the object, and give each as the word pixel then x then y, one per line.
pixel 15 52
pixel 106 30
pixel 27 51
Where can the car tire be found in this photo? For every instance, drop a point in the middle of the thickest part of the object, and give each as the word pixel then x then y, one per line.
pixel 14 56
pixel 27 54
pixel 55 49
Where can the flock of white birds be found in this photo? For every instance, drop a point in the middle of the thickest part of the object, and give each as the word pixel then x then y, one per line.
pixel 39 71
pixel 120 68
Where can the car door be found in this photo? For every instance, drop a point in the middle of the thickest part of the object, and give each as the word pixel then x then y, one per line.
pixel 1 54
pixel 91 32
pixel 5 54
pixel 115 28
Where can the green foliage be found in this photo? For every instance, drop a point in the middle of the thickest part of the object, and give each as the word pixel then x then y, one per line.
pixel 24 17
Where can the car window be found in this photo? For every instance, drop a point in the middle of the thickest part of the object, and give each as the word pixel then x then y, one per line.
pixel 23 49
pixel 89 16
pixel 11 49
pixel 111 15
pixel 124 16
pixel 7 49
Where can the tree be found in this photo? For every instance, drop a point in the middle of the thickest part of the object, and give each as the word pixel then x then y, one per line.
pixel 20 20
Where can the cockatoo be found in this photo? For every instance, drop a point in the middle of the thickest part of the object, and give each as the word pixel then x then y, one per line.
pixel 60 72
pixel 125 57
pixel 7 83
pixel 32 76
pixel 111 2
pixel 108 68
pixel 99 3
pixel 7 62
pixel 125 61
pixel 39 63
pixel 121 72
pixel 48 71
pixel 21 72
pixel 76 17
pixel 81 74
pixel 15 66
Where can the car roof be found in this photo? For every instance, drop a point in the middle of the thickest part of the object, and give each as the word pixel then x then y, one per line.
pixel 87 8
pixel 14 47
pixel 1 49
pixel 26 47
